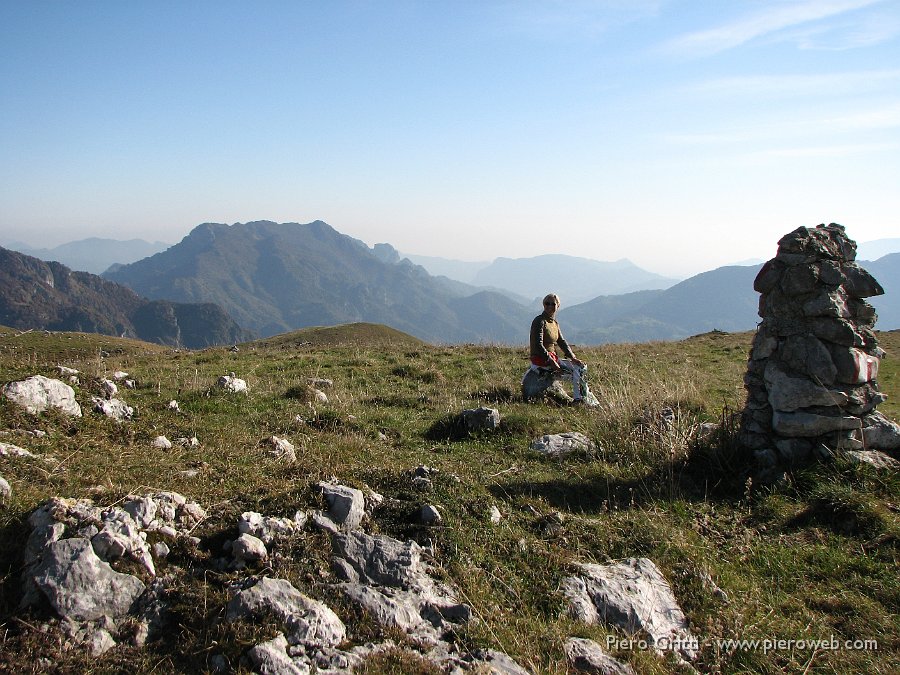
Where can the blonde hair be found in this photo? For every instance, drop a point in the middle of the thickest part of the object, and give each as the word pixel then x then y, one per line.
pixel 551 296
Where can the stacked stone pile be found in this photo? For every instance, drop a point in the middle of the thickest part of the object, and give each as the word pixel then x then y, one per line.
pixel 811 378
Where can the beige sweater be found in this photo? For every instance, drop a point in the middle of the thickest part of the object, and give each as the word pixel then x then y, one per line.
pixel 545 336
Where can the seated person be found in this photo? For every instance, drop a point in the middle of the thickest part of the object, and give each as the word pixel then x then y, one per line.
pixel 545 338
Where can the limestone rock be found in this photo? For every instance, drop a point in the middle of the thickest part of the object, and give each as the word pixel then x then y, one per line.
pixel 80 585
pixel 38 393
pixel 269 528
pixel 271 658
pixel 430 515
pixel 388 578
pixel 633 595
pixel 307 621
pixel 283 449
pixel 162 443
pixel 875 458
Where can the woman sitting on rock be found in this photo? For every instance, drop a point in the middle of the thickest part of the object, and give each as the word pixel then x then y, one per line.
pixel 545 338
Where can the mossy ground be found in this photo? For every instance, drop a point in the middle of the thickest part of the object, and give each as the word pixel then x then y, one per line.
pixel 813 558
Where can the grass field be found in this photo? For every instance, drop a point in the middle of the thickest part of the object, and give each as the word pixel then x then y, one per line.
pixel 810 559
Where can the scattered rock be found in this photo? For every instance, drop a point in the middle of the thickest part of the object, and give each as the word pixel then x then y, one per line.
pixel 271 658
pixel 5 490
pixel 876 458
pixel 389 579
pixel 481 419
pixel 108 388
pixel 283 449
pixel 113 408
pixel 306 621
pixel 269 528
pixel 586 656
pixel 346 508
pixel 560 445
pixel 162 443
pixel 232 384
pixel 247 549
pixel 429 515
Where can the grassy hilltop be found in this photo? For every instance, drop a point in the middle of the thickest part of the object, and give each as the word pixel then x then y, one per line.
pixel 812 558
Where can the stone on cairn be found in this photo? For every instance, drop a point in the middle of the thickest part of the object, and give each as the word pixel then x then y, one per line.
pixel 811 377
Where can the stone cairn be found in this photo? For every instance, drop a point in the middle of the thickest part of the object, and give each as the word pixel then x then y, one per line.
pixel 811 378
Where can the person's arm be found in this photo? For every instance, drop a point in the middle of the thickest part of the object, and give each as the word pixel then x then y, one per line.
pixel 567 350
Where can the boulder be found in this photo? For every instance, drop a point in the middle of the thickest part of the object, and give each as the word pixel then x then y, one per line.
pixel 248 549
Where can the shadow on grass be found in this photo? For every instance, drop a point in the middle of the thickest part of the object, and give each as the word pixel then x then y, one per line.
pixel 708 474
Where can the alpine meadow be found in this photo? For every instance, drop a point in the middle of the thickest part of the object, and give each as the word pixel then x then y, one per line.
pixel 798 576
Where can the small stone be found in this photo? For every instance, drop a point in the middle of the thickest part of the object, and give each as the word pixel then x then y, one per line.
pixel 248 549
pixel 162 443
pixel 429 515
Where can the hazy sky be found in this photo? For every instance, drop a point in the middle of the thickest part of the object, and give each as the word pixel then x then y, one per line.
pixel 681 134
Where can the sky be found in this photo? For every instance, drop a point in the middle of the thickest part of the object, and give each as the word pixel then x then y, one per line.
pixel 680 134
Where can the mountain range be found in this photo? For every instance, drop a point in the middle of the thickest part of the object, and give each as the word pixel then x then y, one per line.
pixel 272 278
pixel 48 295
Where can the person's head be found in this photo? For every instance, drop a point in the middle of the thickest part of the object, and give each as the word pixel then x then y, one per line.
pixel 551 303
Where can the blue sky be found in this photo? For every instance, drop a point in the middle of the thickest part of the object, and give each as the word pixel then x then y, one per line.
pixel 682 135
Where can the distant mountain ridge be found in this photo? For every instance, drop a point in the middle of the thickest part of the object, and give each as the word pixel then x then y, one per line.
pixel 48 295
pixel 94 255
pixel 721 299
